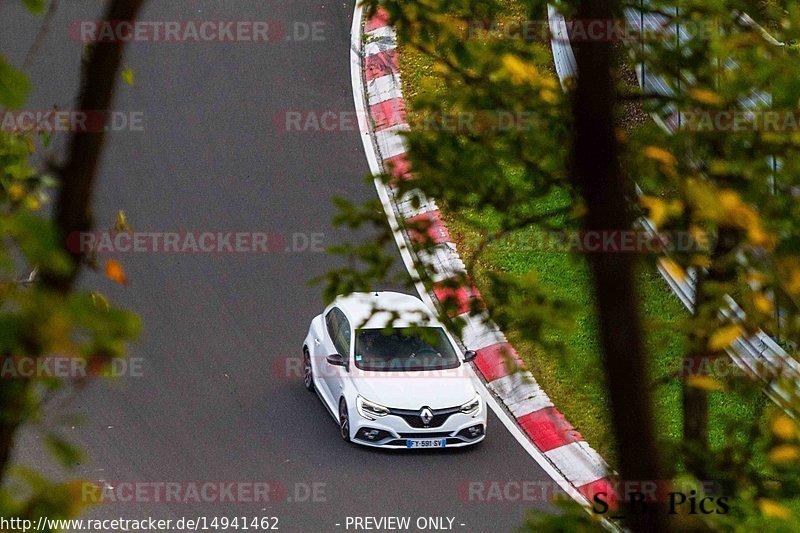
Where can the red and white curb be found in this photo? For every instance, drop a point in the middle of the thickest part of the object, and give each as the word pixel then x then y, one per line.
pixel 539 427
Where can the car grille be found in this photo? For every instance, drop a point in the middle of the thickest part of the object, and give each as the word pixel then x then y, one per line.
pixel 413 419
pixel 432 435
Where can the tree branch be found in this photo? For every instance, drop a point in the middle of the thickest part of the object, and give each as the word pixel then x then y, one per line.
pixel 73 206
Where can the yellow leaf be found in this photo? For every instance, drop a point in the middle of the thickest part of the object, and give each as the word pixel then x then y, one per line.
pixel 122 223
pixel 657 209
pixel 702 261
pixel 549 82
pixel 729 199
pixel 763 304
pixel 675 208
pixel 127 76
pixel 773 509
pixel 724 337
pixel 739 214
pixel 16 192
pixel 784 453
pixel 705 96
pixel 114 272
pixel 660 155
pixel 705 199
pixel 440 68
pixel 792 273
pixel 784 427
pixel 756 279
pixel 705 383
pixel 549 96
pixel 700 237
pixel 32 202
pixel 758 237
pixel 673 269
pixel 521 71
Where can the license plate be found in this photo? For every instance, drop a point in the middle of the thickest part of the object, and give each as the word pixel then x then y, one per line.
pixel 425 443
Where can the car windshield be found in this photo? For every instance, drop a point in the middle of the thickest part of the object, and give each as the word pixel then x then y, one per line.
pixel 404 349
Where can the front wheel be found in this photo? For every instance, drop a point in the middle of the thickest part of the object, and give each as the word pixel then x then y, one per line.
pixel 344 421
pixel 308 372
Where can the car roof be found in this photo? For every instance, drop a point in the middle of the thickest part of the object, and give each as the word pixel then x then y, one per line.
pixel 376 309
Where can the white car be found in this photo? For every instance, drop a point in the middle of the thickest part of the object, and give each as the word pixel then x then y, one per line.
pixel 391 375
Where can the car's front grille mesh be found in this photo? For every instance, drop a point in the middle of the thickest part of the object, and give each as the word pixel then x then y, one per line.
pixel 432 435
pixel 414 419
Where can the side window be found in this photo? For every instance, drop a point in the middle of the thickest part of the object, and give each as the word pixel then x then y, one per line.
pixel 339 331
pixel 330 322
pixel 343 338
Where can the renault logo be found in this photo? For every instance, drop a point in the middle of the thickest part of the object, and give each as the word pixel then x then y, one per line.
pixel 426 416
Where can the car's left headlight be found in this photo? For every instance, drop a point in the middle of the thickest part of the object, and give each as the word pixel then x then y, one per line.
pixel 472 407
pixel 370 410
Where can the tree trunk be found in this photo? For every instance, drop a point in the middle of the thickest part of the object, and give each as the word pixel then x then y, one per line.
pixel 597 175
pixel 695 400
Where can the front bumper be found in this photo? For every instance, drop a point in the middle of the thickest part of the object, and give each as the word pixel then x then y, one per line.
pixel 393 431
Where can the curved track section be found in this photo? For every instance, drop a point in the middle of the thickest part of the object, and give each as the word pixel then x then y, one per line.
pixel 215 400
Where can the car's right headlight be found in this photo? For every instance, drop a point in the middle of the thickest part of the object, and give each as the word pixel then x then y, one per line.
pixel 370 410
pixel 472 407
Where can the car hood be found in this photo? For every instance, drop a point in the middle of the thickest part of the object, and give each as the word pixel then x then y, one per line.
pixel 414 390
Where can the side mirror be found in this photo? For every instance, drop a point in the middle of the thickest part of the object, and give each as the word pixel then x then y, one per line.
pixel 470 355
pixel 337 360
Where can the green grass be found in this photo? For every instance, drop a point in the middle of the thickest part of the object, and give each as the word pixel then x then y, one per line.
pixel 574 379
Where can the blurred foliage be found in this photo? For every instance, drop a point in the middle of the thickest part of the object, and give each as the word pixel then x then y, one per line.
pixel 36 322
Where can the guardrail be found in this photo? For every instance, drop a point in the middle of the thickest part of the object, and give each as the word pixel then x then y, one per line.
pixel 670 118
pixel 757 354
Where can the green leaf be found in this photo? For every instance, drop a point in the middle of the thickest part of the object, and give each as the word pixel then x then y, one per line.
pixel 14 85
pixel 66 454
pixel 35 6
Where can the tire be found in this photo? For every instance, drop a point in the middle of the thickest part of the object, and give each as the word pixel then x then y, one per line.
pixel 308 371
pixel 344 421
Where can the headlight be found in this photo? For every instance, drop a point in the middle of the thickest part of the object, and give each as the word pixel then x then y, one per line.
pixel 472 407
pixel 370 410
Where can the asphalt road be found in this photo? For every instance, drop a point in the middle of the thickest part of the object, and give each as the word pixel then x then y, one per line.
pixel 213 402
